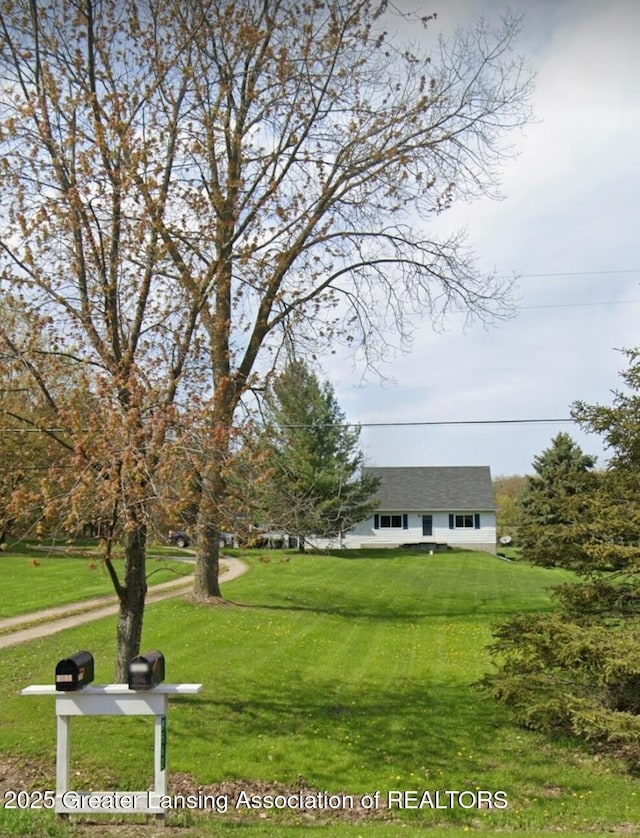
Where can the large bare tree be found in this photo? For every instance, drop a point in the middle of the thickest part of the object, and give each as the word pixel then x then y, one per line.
pixel 91 104
pixel 320 151
pixel 189 186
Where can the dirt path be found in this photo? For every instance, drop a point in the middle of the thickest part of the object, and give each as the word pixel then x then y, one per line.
pixel 52 620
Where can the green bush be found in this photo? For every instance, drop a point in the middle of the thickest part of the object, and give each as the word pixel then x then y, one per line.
pixel 572 673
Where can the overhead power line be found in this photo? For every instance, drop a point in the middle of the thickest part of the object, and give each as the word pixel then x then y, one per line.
pixel 386 424
pixel 424 423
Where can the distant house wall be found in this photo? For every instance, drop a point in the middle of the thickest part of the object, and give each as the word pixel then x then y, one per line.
pixel 446 528
pixel 427 505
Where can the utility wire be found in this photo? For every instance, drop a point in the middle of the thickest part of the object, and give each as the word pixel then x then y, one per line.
pixel 394 424
pixel 452 422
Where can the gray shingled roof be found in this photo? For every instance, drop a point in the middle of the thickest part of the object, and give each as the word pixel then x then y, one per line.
pixel 425 488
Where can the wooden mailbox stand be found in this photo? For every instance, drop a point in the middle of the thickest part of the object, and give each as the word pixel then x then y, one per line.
pixel 111 700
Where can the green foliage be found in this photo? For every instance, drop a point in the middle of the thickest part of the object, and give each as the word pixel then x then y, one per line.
pixel 578 670
pixel 508 491
pixel 316 487
pixel 579 676
pixel 548 502
pixel 619 423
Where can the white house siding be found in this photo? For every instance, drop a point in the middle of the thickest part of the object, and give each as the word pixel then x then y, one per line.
pixel 365 535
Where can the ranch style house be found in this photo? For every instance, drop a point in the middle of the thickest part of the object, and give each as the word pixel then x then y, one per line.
pixel 429 507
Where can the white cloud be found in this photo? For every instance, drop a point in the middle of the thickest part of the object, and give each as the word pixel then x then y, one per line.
pixel 571 206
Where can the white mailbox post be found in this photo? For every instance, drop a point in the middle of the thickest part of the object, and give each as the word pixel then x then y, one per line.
pixel 111 700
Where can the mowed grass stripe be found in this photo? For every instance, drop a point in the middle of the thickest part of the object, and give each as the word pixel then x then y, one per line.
pixel 346 673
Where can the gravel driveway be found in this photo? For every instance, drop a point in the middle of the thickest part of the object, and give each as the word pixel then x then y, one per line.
pixel 25 627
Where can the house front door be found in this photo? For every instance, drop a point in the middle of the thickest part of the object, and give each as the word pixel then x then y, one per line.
pixel 427 525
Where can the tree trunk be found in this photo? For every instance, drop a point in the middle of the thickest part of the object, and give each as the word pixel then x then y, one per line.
pixel 212 502
pixel 206 582
pixel 132 597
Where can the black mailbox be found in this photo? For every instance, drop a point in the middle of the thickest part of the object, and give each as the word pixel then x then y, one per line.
pixel 75 672
pixel 146 671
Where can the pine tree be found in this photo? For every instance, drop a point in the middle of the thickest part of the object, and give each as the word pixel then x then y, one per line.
pixel 551 498
pixel 577 670
pixel 316 488
pixel 611 528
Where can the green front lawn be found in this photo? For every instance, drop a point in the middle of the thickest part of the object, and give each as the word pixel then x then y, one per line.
pixel 35 579
pixel 349 674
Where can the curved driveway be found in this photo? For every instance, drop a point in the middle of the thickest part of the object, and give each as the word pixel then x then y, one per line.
pixel 52 620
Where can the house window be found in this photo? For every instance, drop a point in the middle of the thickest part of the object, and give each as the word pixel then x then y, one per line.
pixel 461 521
pixel 387 521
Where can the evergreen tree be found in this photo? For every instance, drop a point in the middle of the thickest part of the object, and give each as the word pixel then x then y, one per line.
pixel 577 670
pixel 562 475
pixel 316 487
pixel 610 531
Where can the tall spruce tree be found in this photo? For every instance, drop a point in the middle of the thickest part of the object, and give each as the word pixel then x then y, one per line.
pixel 316 486
pixel 549 501
pixel 578 669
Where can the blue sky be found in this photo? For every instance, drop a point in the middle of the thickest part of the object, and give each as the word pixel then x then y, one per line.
pixel 569 226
